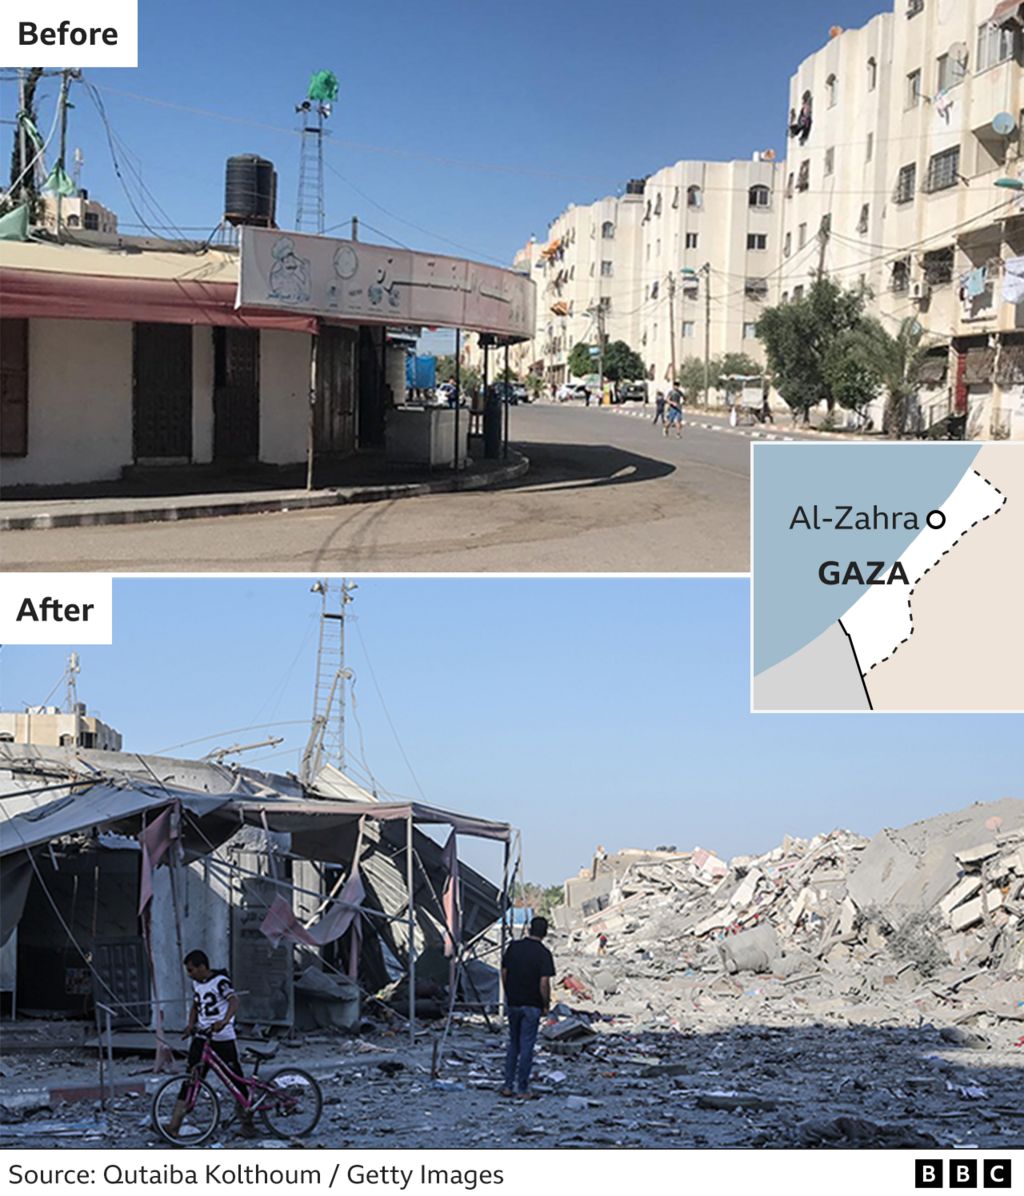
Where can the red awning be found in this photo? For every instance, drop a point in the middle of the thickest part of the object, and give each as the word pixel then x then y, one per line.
pixel 53 295
pixel 1006 11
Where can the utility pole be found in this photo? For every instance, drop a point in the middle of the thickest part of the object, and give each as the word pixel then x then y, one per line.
pixel 59 171
pixel 23 191
pixel 823 235
pixel 672 320
pixel 706 271
pixel 600 352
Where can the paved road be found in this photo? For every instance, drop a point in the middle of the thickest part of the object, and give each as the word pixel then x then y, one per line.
pixel 607 493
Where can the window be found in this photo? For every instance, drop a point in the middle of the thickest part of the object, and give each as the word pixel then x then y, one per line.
pixel 830 161
pixel 787 245
pixel 675 198
pixel 73 221
pixel 803 179
pixel 605 303
pixel 13 387
pixel 750 330
pixel 689 329
pixel 798 294
pixel 951 72
pixel 832 90
pixel 608 231
pixel 790 183
pixel 996 44
pixel 900 279
pixel 872 74
pixel 906 184
pixel 943 170
pixel 938 267
pixel 92 221
pixel 757 240
pixel 654 289
pixel 647 212
pixel 914 7
pixel 865 219
pixel 785 296
pixel 691 240
pixel 913 96
pixel 694 196
pixel 760 196
pixel 801 236
pixel 606 269
pixel 657 205
pixel 869 148
pixel 756 288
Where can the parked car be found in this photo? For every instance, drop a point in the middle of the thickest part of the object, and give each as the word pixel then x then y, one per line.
pixel 520 394
pixel 631 392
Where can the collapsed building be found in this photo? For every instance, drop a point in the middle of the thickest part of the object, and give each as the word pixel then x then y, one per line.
pixel 923 921
pixel 113 865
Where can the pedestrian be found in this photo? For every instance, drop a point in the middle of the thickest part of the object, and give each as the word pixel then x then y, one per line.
pixel 675 412
pixel 659 409
pixel 526 971
pixel 602 944
pixel 586 396
pixel 766 408
pixel 214 1005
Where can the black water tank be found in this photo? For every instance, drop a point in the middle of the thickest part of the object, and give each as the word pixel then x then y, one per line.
pixel 250 190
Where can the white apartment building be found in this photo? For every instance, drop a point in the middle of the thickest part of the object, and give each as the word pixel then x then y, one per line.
pixel 683 262
pixel 913 120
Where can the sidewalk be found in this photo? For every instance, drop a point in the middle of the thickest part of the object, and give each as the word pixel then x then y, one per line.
pixel 174 495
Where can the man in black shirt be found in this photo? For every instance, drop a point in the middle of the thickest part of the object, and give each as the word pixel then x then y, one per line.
pixel 526 972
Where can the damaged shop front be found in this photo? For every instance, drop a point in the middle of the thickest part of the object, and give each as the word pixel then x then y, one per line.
pixel 113 866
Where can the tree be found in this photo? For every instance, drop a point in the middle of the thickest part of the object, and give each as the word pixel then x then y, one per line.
pixel 800 336
pixel 899 361
pixel 469 376
pixel 622 364
pixel 852 366
pixel 580 361
pixel 691 375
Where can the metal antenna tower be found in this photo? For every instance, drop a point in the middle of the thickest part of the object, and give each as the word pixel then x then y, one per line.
pixel 326 744
pixel 309 210
pixel 70 675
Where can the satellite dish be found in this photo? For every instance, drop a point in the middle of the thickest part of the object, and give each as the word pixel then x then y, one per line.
pixel 1004 124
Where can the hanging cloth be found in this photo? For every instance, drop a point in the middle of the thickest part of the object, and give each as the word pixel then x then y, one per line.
pixel 1013 280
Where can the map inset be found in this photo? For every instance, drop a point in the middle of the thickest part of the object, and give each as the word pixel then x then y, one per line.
pixel 888 577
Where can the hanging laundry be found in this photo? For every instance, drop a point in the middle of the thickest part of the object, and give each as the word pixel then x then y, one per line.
pixel 975 282
pixel 800 126
pixel 943 104
pixel 1013 280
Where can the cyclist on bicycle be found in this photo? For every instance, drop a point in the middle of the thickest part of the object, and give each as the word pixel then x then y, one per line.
pixel 214 1005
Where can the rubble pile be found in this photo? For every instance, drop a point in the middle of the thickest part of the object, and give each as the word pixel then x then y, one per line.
pixel 924 922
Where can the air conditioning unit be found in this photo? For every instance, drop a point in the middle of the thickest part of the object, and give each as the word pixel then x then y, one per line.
pixel 920 290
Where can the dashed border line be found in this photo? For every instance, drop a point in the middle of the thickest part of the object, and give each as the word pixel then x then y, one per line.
pixel 934 564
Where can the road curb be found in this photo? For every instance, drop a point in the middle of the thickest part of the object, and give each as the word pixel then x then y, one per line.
pixel 176 510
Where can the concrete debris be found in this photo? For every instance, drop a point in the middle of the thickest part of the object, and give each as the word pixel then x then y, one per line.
pixel 924 921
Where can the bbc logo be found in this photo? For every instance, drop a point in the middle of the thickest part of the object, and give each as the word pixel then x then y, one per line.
pixel 962 1173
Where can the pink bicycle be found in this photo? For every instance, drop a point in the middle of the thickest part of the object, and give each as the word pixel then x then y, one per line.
pixel 289 1102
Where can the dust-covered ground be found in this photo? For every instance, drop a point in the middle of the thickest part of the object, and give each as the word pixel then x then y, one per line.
pixel 630 1083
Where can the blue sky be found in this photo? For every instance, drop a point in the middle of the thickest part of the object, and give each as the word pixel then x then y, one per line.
pixel 566 102
pixel 584 711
